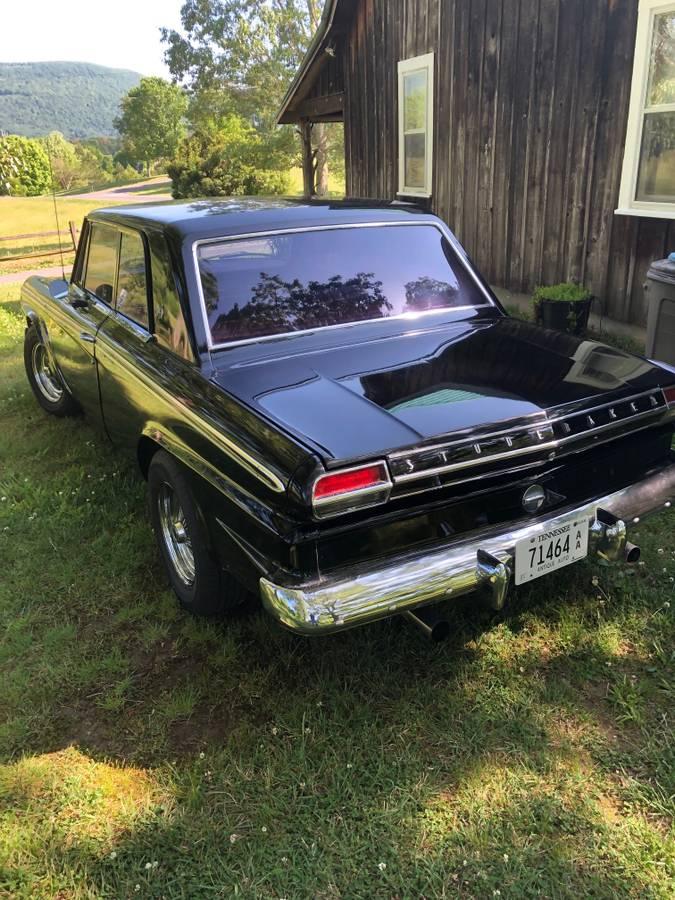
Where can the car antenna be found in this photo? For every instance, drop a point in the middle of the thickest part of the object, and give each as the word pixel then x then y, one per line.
pixel 56 212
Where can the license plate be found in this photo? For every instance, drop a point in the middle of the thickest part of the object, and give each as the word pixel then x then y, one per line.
pixel 553 548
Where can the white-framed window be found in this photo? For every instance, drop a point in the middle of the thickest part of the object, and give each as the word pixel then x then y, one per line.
pixel 415 125
pixel 648 180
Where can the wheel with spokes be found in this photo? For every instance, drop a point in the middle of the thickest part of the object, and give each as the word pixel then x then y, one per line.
pixel 44 379
pixel 175 534
pixel 202 586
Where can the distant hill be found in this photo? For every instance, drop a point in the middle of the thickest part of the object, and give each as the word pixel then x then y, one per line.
pixel 79 99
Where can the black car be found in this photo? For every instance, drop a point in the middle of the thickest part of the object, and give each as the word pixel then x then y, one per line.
pixel 333 411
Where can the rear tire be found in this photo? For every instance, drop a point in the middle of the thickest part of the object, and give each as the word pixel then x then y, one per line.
pixel 46 383
pixel 198 580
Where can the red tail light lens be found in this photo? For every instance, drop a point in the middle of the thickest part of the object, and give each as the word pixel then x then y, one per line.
pixel 669 394
pixel 348 489
pixel 350 480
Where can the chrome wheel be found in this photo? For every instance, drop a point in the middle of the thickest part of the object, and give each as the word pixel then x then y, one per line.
pixel 175 534
pixel 45 377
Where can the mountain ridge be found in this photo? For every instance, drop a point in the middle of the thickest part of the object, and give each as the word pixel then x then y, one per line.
pixel 80 99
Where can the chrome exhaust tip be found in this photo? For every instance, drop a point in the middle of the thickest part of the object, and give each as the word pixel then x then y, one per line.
pixel 632 552
pixel 432 626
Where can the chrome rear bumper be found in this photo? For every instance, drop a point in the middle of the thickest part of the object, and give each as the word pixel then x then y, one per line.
pixel 483 561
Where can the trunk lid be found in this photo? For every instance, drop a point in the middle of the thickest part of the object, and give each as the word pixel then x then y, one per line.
pixel 354 395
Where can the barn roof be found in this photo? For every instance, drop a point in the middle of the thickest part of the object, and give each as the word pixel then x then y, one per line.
pixel 336 15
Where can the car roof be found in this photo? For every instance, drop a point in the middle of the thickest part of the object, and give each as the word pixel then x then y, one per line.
pixel 198 219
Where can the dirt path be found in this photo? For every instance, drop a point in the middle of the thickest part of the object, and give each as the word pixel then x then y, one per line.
pixel 132 193
pixel 18 277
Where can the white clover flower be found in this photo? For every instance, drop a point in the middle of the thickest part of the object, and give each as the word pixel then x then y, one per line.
pixel 349 766
pixel 113 855
pixel 154 864
pixel 506 857
pixel 382 866
pixel 275 731
pixel 234 838
pixel 284 860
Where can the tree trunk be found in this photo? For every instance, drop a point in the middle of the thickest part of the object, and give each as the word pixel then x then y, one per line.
pixel 321 160
pixel 307 159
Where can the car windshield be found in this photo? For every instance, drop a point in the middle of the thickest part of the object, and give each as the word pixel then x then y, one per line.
pixel 274 284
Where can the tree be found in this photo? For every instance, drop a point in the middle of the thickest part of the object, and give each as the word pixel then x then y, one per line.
pixel 24 166
pixel 231 158
pixel 152 120
pixel 64 160
pixel 245 53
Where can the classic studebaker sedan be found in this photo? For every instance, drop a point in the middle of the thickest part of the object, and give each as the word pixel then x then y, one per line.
pixel 333 411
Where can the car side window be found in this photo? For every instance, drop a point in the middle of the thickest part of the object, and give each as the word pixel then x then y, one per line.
pixel 102 262
pixel 132 285
pixel 170 326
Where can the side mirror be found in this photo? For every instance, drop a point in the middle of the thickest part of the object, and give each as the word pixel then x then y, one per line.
pixel 58 288
pixel 78 299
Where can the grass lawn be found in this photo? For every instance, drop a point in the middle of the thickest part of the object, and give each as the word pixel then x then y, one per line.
pixel 28 215
pixel 147 754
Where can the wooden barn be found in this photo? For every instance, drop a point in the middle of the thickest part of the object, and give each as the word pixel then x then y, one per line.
pixel 542 131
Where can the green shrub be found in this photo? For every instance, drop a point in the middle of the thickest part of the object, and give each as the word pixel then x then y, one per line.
pixel 230 159
pixel 24 167
pixel 568 292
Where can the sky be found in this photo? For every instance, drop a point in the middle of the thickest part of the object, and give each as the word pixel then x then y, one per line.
pixel 123 34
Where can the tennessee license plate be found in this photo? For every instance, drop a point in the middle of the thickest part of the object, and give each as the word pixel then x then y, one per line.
pixel 551 549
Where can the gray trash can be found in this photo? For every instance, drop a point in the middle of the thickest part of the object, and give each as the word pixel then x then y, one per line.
pixel 660 295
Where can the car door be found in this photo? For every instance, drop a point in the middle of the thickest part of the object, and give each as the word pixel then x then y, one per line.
pixel 136 373
pixel 86 307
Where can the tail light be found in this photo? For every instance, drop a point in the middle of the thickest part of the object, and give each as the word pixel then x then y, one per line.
pixel 350 489
pixel 669 394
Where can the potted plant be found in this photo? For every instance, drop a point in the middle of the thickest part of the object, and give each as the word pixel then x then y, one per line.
pixel 564 307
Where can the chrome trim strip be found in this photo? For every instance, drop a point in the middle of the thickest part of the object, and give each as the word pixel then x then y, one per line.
pixel 658 412
pixel 359 594
pixel 438 225
pixel 583 410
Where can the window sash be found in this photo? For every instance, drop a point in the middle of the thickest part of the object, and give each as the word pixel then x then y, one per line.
pixel 640 108
pixel 407 68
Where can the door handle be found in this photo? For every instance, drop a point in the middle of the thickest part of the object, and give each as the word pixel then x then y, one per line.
pixel 89 338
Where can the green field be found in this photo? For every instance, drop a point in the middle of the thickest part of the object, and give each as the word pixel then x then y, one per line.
pixel 145 753
pixel 29 215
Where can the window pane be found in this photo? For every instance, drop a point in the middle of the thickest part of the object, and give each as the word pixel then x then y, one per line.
pixel 170 326
pixel 414 160
pixel 132 294
pixel 102 262
pixel 415 100
pixel 291 282
pixel 656 176
pixel 662 62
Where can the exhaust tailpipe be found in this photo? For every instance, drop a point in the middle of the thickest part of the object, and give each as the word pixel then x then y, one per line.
pixel 430 624
pixel 632 552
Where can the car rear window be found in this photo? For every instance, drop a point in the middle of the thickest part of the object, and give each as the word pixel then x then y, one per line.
pixel 294 281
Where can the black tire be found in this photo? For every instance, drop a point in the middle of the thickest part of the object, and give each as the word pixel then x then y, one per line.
pixel 211 590
pixel 46 383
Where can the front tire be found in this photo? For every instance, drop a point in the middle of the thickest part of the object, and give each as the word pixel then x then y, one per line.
pixel 46 383
pixel 201 585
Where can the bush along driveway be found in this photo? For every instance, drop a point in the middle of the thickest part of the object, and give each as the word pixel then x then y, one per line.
pixel 147 754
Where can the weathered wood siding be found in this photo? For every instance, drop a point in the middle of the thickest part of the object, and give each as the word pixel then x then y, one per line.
pixel 531 110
